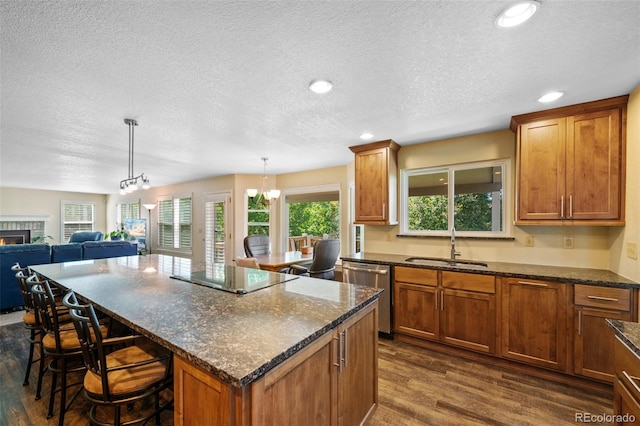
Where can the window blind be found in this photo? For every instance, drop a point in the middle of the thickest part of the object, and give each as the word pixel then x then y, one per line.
pixel 174 222
pixel 76 217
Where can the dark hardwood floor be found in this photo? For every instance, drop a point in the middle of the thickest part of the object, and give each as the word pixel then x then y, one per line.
pixel 416 386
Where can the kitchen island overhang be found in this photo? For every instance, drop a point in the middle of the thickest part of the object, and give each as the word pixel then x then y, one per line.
pixel 237 339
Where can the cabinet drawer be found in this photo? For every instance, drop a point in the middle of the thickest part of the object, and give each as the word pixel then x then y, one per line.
pixel 416 276
pixel 627 367
pixel 470 282
pixel 603 297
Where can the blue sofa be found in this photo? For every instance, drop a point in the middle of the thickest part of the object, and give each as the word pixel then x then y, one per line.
pixel 102 250
pixel 38 254
pixel 25 254
pixel 82 236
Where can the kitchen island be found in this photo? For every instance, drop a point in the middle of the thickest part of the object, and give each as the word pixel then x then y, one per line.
pixel 297 351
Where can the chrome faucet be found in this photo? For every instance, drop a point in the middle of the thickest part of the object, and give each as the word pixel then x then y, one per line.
pixel 454 253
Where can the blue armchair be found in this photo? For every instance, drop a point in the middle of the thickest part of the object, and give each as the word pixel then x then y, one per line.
pixel 82 236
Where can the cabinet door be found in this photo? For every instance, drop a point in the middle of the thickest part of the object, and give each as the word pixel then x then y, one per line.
pixel 541 170
pixel 593 341
pixel 594 152
pixel 358 377
pixel 534 322
pixel 372 183
pixel 625 405
pixel 468 320
pixel 416 310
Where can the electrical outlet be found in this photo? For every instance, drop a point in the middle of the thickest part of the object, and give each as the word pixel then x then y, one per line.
pixel 567 242
pixel 632 250
pixel 388 236
pixel 528 240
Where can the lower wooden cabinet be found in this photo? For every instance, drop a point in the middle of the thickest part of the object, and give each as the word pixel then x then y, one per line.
pixel 553 325
pixel 534 322
pixel 592 337
pixel 333 381
pixel 456 308
pixel 626 385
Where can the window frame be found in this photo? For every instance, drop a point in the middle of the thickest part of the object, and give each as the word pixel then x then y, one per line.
pixel 284 217
pixel 131 202
pixel 174 198
pixel 64 222
pixel 505 163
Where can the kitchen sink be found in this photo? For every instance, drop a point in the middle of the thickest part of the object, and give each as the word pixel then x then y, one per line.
pixel 437 261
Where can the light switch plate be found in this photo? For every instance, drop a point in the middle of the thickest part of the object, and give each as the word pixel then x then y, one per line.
pixel 632 250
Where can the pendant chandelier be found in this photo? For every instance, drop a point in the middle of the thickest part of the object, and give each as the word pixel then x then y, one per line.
pixel 264 194
pixel 130 184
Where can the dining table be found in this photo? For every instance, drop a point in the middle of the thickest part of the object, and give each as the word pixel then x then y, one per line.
pixel 275 262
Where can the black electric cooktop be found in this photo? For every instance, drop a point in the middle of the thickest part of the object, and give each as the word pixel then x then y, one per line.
pixel 234 279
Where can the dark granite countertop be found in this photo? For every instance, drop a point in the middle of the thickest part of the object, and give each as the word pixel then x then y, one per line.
pixel 628 332
pixel 238 338
pixel 563 274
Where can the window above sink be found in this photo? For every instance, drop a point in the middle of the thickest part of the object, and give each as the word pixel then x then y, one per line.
pixel 472 196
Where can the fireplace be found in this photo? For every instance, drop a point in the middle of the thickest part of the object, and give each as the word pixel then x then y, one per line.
pixel 22 236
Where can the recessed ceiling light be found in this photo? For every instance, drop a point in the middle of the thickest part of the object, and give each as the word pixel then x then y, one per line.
pixel 550 97
pixel 517 14
pixel 366 136
pixel 320 86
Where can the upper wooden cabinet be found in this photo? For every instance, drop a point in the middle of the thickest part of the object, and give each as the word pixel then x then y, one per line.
pixel 376 178
pixel 571 164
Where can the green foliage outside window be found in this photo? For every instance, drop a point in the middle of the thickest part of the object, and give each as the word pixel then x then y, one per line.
pixel 314 218
pixel 472 212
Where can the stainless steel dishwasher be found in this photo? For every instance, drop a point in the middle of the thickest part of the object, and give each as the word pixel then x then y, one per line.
pixel 377 276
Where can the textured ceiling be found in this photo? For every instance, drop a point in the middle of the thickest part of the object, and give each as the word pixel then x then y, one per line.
pixel 217 85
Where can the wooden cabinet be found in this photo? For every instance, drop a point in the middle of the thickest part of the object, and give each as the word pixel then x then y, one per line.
pixel 626 386
pixel 376 180
pixel 416 310
pixel 357 348
pixel 332 381
pixel 534 322
pixel 592 337
pixel 468 311
pixel 571 164
pixel 456 308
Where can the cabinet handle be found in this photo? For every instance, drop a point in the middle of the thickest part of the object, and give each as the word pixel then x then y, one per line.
pixel 533 284
pixel 579 323
pixel 340 344
pixel 632 381
pixel 571 206
pixel 442 300
pixel 606 299
pixel 346 347
pixel 562 207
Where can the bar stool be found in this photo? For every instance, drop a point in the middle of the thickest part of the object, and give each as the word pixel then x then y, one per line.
pixel 60 344
pixel 30 320
pixel 119 375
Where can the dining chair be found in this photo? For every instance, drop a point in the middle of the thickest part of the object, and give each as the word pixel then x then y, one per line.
pixel 256 244
pixel 60 345
pixel 247 262
pixel 323 265
pixel 120 370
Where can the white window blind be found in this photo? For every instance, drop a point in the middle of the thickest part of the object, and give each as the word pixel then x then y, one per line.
pixel 174 222
pixel 76 216
pixel 128 210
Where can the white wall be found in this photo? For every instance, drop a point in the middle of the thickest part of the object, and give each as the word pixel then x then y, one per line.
pixel 20 202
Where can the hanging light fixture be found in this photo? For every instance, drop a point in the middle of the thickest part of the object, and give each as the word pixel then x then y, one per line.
pixel 130 184
pixel 264 195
